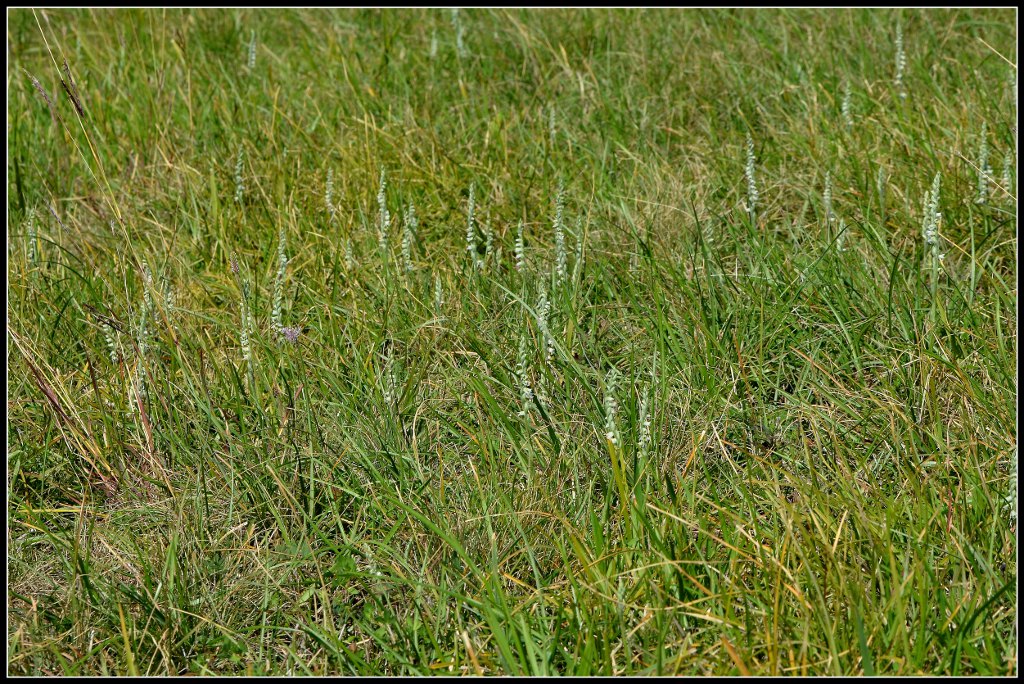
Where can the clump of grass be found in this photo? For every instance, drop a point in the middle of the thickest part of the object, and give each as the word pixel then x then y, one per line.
pixel 665 438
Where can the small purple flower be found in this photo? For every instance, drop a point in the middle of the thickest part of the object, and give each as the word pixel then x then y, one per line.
pixel 291 334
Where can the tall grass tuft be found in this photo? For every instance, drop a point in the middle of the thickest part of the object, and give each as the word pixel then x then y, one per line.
pixel 643 447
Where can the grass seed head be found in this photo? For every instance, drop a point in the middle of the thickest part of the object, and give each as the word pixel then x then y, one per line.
pixel 610 406
pixel 1007 179
pixel 984 172
pixel 252 50
pixel 460 33
pixel 901 60
pixel 523 374
pixel 438 295
pixel 110 334
pixel 752 195
pixel 383 215
pixel 329 194
pixel 239 179
pixel 847 106
pixel 520 248
pixel 559 225
pixel 829 216
pixel 470 229
pixel 33 239
pixel 282 266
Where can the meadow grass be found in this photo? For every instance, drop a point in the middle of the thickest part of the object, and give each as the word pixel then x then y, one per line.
pixel 692 417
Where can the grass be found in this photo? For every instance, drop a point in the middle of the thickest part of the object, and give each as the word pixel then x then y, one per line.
pixel 828 484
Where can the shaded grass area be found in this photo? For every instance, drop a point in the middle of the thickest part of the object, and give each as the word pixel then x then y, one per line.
pixel 826 482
